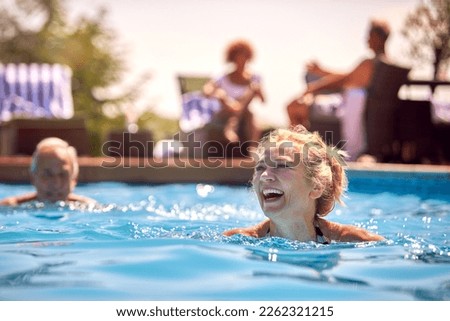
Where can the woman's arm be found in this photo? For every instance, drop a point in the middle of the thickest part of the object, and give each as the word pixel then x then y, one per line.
pixel 333 82
pixel 314 68
pixel 256 88
pixel 360 76
pixel 210 89
pixel 257 91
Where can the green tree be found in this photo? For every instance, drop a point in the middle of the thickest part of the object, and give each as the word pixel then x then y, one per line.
pixel 39 31
pixel 428 32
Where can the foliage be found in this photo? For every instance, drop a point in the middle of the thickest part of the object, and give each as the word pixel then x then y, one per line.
pixel 428 30
pixel 39 31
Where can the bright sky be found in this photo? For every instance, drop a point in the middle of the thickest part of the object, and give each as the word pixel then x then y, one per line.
pixel 168 37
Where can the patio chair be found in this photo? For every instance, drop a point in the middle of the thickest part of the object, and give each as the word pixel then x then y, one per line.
pixel 35 91
pixel 190 83
pixel 36 102
pixel 382 107
pixel 196 113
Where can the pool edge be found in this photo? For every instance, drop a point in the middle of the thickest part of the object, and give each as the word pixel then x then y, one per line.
pixel 236 171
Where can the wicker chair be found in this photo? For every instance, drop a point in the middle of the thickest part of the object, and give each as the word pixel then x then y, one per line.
pixel 382 106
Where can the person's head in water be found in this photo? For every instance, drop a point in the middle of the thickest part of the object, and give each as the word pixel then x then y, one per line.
pixel 54 170
pixel 297 179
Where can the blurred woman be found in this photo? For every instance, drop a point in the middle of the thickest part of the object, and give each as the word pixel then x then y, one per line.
pixel 235 90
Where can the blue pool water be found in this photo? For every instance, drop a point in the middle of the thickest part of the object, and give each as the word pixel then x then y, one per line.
pixel 164 242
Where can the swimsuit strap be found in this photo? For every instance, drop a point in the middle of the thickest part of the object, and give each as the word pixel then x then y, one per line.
pixel 320 237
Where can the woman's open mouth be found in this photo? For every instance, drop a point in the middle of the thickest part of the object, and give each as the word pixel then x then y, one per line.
pixel 272 194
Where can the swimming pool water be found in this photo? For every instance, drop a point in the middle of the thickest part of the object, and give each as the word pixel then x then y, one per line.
pixel 164 242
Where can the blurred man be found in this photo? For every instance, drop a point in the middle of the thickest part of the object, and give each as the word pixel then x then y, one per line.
pixel 54 174
pixel 352 85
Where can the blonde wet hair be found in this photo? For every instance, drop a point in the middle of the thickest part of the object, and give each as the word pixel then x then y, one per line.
pixel 323 164
pixel 53 143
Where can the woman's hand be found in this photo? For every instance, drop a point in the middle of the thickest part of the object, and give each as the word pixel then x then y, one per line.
pixel 231 106
pixel 314 68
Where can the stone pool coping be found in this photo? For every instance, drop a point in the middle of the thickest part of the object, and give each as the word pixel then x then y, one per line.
pixel 236 171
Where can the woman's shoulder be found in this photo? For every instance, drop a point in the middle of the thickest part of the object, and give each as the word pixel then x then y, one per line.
pixel 346 233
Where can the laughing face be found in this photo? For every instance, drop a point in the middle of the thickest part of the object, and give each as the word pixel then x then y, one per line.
pixel 282 189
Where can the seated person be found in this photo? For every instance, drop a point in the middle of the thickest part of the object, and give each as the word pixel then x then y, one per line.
pixel 352 84
pixel 235 90
pixel 54 174
pixel 297 180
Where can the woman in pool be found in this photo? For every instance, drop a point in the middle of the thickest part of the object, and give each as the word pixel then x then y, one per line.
pixel 297 180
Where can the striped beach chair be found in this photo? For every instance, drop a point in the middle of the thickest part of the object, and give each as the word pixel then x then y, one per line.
pixel 197 110
pixel 35 91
